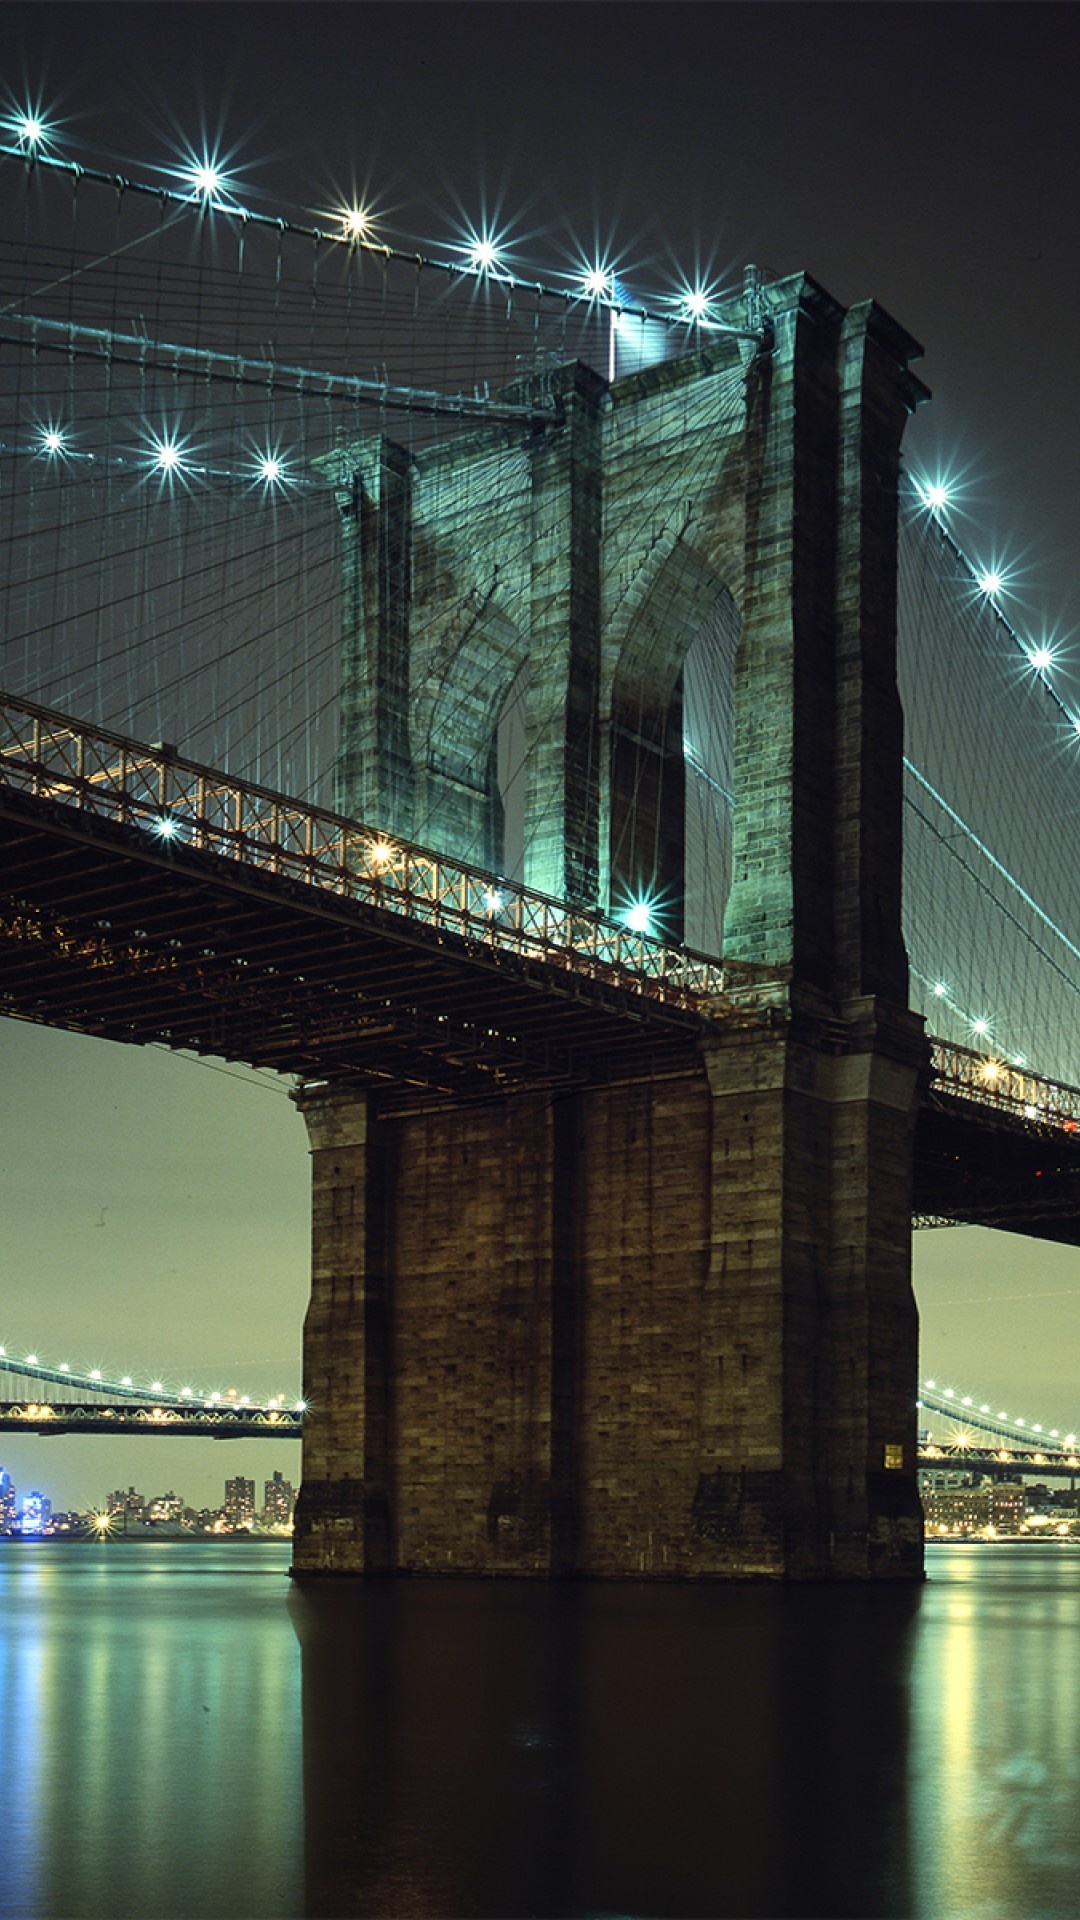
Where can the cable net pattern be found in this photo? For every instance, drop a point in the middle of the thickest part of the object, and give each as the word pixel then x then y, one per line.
pixel 179 388
pixel 183 393
pixel 992 907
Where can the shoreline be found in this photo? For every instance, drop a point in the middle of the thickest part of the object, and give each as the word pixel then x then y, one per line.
pixel 152 1536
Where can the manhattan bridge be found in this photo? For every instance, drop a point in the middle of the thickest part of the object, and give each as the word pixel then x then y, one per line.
pixel 370 704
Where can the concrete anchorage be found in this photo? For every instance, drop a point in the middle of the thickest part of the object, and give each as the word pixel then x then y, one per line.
pixel 660 1327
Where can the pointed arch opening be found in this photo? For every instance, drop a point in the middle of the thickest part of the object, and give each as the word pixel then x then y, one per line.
pixel 670 735
pixel 468 762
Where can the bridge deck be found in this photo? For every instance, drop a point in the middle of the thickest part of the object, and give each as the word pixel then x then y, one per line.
pixel 989 1166
pixel 261 929
pixel 109 930
pixel 149 897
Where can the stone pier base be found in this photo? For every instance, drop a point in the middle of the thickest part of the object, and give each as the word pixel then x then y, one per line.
pixel 658 1329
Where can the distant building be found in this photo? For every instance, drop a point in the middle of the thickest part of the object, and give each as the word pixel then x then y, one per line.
pixel 165 1506
pixel 9 1504
pixel 971 1509
pixel 36 1513
pixel 1008 1506
pixel 279 1499
pixel 240 1502
pixel 130 1506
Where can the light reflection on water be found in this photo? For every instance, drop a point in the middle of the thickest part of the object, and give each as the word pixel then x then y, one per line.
pixel 150 1757
pixel 176 1723
pixel 995 1771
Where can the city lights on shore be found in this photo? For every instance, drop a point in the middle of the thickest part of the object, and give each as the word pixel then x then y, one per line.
pixel 129 1514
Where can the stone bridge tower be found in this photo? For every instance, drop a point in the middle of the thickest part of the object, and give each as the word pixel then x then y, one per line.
pixel 665 1326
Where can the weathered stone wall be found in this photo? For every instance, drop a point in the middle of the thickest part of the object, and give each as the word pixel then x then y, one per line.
pixel 339 1457
pixel 588 551
pixel 471 1201
pixel 658 1328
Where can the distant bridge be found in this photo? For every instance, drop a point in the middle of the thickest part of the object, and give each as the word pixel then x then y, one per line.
pixel 982 1441
pixel 94 1404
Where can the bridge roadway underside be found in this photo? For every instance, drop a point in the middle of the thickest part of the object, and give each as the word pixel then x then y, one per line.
pixel 105 931
pixel 977 1165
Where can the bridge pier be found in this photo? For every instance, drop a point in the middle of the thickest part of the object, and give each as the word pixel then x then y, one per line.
pixel 809 1457
pixel 662 1328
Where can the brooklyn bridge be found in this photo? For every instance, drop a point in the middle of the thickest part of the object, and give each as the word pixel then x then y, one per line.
pixel 551 731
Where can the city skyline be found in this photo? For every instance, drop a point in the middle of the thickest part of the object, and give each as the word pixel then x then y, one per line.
pixel 239 1504
pixel 156 1208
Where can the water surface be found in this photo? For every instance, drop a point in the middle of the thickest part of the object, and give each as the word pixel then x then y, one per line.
pixel 184 1733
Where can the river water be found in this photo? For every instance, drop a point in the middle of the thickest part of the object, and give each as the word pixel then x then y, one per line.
pixel 185 1733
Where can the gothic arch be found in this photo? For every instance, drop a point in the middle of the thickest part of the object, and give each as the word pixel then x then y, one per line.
pixel 646 829
pixel 455 724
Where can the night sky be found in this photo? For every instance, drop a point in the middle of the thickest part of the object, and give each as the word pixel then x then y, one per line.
pixel 154 1207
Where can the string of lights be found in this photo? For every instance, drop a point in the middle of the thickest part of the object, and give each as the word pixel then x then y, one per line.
pixel 993 583
pixel 98 1382
pixel 181 368
pixel 203 184
pixel 992 913
pixel 966 1411
pixel 174 459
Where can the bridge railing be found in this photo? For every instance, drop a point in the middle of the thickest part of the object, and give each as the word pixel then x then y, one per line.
pixel 937 1453
pixel 180 802
pixel 1012 1089
pixel 85 1416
